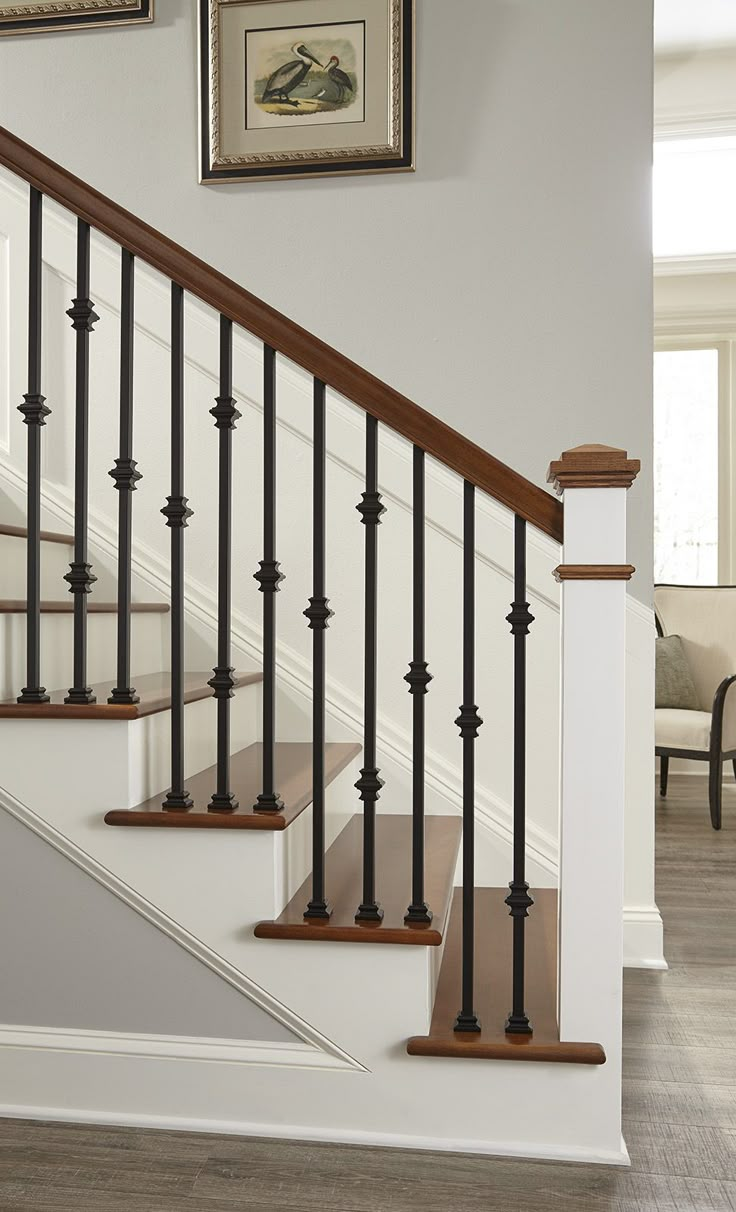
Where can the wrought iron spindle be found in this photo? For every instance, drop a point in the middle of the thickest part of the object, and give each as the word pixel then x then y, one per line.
pixel 34 411
pixel 269 577
pixel 370 783
pixel 418 679
pixel 126 476
pixel 226 414
pixel 80 576
pixel 177 514
pixel 469 723
pixel 519 900
pixel 319 614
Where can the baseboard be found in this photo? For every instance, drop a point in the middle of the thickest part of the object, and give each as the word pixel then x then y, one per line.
pixel 643 938
pixel 337 1136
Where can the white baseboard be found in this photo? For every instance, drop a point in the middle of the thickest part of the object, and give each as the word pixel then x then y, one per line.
pixel 644 938
pixel 277 1131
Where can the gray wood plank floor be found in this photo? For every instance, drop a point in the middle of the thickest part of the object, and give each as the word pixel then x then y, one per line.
pixel 679 1101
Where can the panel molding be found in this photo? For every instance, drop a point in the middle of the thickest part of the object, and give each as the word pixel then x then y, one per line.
pixel 320 1052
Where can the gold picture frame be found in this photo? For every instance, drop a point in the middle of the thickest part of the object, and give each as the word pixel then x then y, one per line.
pixel 305 88
pixel 44 16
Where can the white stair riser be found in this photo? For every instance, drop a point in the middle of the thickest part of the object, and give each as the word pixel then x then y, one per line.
pixel 122 763
pixel 55 560
pixel 149 648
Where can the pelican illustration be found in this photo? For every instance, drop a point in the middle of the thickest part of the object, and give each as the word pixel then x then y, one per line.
pixel 285 79
pixel 339 78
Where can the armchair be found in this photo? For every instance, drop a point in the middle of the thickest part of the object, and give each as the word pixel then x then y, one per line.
pixel 705 618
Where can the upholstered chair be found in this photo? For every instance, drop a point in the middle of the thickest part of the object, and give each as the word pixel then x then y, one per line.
pixel 705 618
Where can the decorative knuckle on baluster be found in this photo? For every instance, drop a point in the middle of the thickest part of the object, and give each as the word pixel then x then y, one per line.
pixel 519 900
pixel 80 578
pixel 222 683
pixel 520 618
pixel 269 576
pixel 418 677
pixel 177 512
pixel 369 784
pixel 82 315
pixel 468 721
pixel 34 409
pixel 125 474
pixel 371 509
pixel 225 412
pixel 319 614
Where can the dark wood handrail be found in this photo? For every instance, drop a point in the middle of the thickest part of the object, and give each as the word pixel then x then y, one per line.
pixel 333 368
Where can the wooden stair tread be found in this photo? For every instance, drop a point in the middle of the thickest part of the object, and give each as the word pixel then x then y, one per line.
pixel 493 928
pixel 343 882
pixel 154 690
pixel 47 536
pixel 66 606
pixel 293 782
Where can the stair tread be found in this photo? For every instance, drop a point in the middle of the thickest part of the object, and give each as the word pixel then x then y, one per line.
pixel 47 536
pixel 66 606
pixel 493 932
pixel 293 781
pixel 344 877
pixel 154 690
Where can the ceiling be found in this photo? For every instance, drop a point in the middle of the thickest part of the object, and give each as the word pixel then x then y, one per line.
pixel 681 25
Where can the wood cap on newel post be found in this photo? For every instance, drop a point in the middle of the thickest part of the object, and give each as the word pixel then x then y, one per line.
pixel 593 466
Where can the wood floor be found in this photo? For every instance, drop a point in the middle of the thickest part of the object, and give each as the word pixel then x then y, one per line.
pixel 680 1101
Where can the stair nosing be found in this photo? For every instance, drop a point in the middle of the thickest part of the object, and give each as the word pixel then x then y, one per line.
pixel 47 536
pixel 102 710
pixel 64 606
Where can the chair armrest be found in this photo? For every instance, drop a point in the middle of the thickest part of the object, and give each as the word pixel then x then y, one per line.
pixel 719 709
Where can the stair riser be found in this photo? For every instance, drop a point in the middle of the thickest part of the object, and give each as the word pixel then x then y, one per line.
pixel 116 764
pixel 149 648
pixel 55 559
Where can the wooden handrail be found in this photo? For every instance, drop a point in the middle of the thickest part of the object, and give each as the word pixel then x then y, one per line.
pixel 319 359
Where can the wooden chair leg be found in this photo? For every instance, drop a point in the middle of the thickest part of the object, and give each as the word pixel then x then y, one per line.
pixel 715 790
pixel 664 770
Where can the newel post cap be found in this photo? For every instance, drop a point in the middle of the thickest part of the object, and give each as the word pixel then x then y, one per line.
pixel 593 466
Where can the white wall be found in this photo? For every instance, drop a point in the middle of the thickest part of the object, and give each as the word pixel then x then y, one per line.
pixel 507 279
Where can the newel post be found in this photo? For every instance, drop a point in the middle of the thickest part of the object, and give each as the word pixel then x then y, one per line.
pixel 593 574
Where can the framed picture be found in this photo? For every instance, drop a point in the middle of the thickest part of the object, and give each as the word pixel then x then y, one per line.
pixel 35 16
pixel 305 88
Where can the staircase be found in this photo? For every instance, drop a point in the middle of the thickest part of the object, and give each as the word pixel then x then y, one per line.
pixel 359 929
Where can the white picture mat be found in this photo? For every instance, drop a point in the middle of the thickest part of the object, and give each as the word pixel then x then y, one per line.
pixel 235 17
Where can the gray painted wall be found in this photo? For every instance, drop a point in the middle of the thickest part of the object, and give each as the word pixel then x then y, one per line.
pixel 506 286
pixel 73 955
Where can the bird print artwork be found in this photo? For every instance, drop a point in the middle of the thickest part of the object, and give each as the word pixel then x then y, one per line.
pixel 306 76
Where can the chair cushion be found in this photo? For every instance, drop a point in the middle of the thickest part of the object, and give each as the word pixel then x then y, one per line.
pixel 677 729
pixel 674 685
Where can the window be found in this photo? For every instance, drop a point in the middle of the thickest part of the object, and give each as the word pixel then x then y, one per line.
pixel 686 467
pixel 694 196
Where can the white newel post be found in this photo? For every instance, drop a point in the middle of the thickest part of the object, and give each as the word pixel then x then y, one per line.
pixel 593 575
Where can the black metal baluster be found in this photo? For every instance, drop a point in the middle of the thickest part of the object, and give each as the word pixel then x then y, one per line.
pixel 469 723
pixel 34 411
pixel 269 578
pixel 319 614
pixel 418 679
pixel 519 900
pixel 126 477
pixel 80 576
pixel 177 514
pixel 225 414
pixel 370 783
